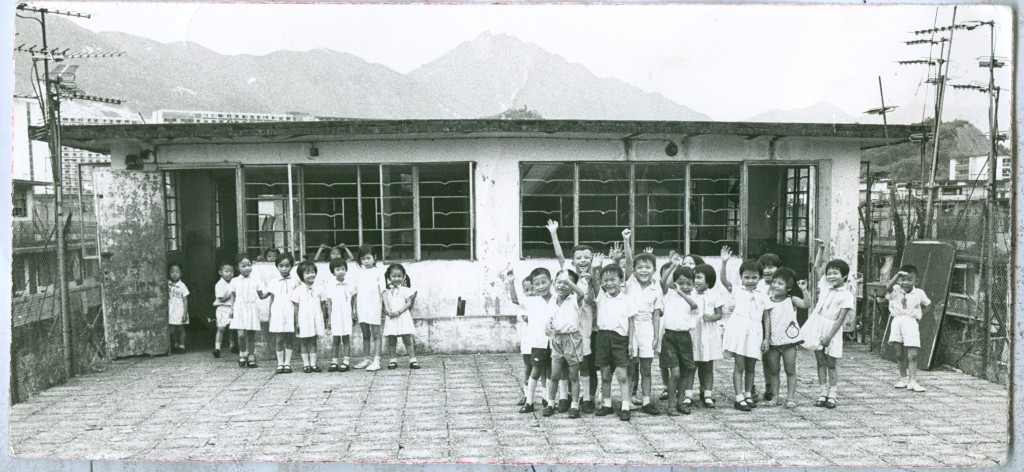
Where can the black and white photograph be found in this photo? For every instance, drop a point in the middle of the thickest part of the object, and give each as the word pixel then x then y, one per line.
pixel 510 235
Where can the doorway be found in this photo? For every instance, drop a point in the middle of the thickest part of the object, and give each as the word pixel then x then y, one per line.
pixel 780 214
pixel 207 233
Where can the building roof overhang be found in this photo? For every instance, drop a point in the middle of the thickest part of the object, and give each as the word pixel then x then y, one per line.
pixel 101 138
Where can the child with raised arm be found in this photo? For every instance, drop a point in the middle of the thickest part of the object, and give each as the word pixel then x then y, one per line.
pixel 583 264
pixel 223 298
pixel 508 277
pixel 647 297
pixel 340 295
pixel 679 320
pixel 566 340
pixel 744 333
pixel 905 303
pixel 177 307
pixel 537 309
pixel 823 331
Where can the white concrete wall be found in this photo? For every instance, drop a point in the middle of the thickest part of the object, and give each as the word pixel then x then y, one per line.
pixel 30 160
pixel 497 211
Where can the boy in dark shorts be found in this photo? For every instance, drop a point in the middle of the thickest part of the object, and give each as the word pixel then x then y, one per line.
pixel 537 310
pixel 611 345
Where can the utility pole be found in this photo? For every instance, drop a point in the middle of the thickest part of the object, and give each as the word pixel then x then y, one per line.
pixel 54 87
pixel 940 95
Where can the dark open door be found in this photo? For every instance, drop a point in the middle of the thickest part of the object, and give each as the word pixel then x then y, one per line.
pixel 130 223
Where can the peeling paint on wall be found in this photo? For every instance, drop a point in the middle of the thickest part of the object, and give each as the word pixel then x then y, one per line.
pixel 131 222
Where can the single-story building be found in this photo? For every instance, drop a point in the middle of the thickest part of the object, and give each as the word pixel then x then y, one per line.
pixel 456 201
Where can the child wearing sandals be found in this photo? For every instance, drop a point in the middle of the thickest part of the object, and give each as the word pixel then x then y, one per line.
pixel 823 331
pixel 223 298
pixel 399 299
pixel 678 320
pixel 538 310
pixel 782 336
pixel 690 261
pixel 309 311
pixel 282 324
pixel 245 316
pixel 744 333
pixel 340 295
pixel 905 304
pixel 707 342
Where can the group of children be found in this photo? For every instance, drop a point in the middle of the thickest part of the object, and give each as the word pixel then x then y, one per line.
pixel 615 318
pixel 303 309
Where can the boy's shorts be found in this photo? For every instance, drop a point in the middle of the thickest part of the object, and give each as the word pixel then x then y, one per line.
pixel 540 358
pixel 567 347
pixel 642 344
pixel 905 330
pixel 224 316
pixel 677 350
pixel 611 349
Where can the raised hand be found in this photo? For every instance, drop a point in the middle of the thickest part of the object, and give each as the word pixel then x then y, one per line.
pixel 552 226
pixel 801 284
pixel 598 259
pixel 626 234
pixel 726 253
pixel 649 250
pixel 508 274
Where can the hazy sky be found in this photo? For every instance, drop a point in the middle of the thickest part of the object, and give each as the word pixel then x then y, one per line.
pixel 729 62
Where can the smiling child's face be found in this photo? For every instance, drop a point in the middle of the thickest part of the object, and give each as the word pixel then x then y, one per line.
pixel 226 272
pixel 245 267
pixel 396 278
pixel 684 284
pixel 284 268
pixel 834 277
pixel 309 277
pixel 582 260
pixel 749 279
pixel 611 283
pixel 339 273
pixel 779 288
pixel 643 271
pixel 908 282
pixel 541 285
pixel 699 282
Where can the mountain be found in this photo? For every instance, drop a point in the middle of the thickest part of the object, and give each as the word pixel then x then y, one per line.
pixel 822 112
pixel 957 139
pixel 184 75
pixel 494 73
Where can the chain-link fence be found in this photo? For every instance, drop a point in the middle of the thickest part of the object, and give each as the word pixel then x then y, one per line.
pixel 974 335
pixel 38 352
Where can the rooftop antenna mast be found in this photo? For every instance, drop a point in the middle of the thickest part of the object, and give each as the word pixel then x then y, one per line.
pixel 58 84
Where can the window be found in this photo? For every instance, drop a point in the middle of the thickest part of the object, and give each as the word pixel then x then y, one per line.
pixel 216 215
pixel 409 212
pixel 714 207
pixel 795 212
pixel 1007 167
pixel 594 202
pixel 268 221
pixel 20 202
pixel 962 169
pixel 171 210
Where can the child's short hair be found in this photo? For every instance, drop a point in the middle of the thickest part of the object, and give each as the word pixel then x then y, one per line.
pixel 613 269
pixel 709 274
pixel 335 263
pixel 697 260
pixel 242 257
pixel 649 258
pixel 769 260
pixel 222 264
pixel 751 265
pixel 266 253
pixel 681 271
pixel 909 269
pixel 787 276
pixel 173 265
pixel 539 271
pixel 573 276
pixel 840 265
pixel 365 249
pixel 581 247
pixel 305 267
pixel 284 256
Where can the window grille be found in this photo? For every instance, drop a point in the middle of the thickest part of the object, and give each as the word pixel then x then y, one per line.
pixel 171 211
pixel 714 207
pixel 795 213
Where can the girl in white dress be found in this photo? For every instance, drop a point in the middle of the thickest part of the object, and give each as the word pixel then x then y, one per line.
pixel 823 331
pixel 177 307
pixel 369 282
pixel 282 320
pixel 339 294
pixel 245 318
pixel 744 333
pixel 398 302
pixel 707 338
pixel 309 313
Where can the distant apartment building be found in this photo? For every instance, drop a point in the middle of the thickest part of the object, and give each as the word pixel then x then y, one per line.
pixel 194 116
pixel 969 177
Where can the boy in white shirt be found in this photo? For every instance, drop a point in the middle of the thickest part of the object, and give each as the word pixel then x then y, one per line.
pixel 611 346
pixel 537 310
pixel 905 304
